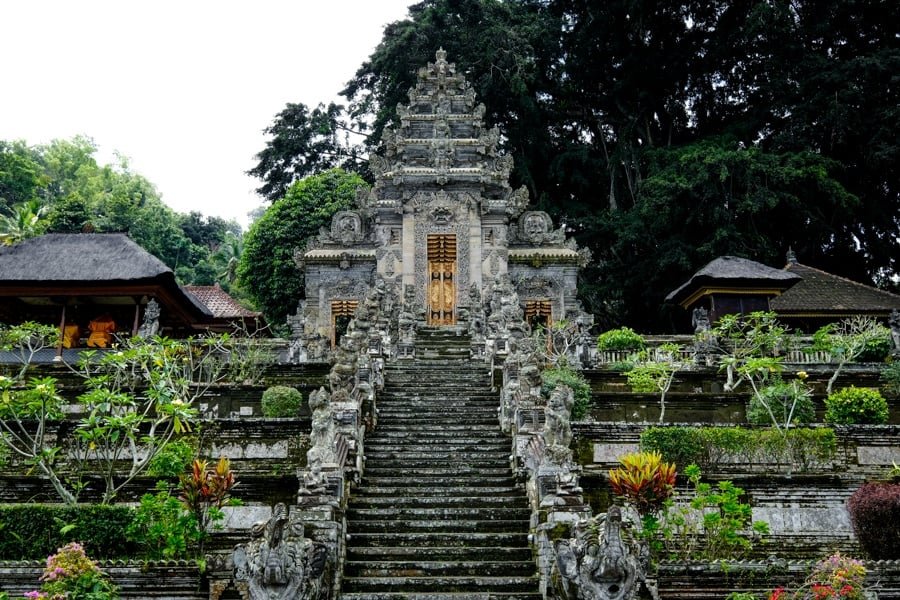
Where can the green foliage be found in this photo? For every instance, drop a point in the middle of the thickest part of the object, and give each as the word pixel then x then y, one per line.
pixel 173 459
pixel 890 377
pixel 281 401
pixel 621 339
pixel 849 340
pixel 267 270
pixel 550 378
pixel 712 446
pixel 71 574
pixel 715 524
pixel 855 405
pixel 782 403
pixel 162 527
pixel 32 531
pixel 643 480
pixel 204 492
pixel 654 371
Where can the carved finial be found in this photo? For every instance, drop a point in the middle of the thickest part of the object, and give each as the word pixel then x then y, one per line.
pixel 441 55
pixel 791 256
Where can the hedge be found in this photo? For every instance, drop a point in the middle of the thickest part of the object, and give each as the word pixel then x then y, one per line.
pixel 34 531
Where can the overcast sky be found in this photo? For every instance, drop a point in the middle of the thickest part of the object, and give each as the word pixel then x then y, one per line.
pixel 182 88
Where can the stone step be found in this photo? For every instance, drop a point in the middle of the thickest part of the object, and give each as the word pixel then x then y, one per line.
pixel 449 553
pixel 437 458
pixel 440 539
pixel 438 481
pixel 464 512
pixel 472 583
pixel 414 442
pixel 445 490
pixel 445 464
pixel 379 470
pixel 437 526
pixel 472 501
pixel 441 596
pixel 439 568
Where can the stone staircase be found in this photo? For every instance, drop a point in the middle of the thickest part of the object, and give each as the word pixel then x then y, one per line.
pixel 438 515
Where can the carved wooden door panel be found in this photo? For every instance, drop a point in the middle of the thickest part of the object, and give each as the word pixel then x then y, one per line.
pixel 441 279
pixel 342 312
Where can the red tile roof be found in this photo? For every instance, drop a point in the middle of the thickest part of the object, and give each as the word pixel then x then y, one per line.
pixel 219 303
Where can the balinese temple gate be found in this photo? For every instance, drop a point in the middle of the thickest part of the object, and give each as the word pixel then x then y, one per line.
pixel 440 225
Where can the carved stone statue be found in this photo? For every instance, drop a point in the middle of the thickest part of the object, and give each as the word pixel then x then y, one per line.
pixel 557 424
pixel 894 322
pixel 600 564
pixel 280 563
pixel 322 433
pixel 150 325
pixel 700 320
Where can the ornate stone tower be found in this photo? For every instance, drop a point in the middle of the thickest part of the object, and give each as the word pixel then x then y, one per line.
pixel 441 220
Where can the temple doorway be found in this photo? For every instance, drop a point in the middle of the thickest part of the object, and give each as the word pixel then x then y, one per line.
pixel 442 271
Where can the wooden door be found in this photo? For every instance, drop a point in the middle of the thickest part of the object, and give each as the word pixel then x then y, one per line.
pixel 342 312
pixel 442 279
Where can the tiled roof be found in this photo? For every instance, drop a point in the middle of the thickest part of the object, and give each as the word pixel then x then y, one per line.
pixel 823 293
pixel 219 303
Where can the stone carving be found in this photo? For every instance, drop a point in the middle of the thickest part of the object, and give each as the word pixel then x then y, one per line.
pixel 323 432
pixel 601 562
pixel 700 320
pixel 347 227
pixel 280 563
pixel 536 227
pixel 150 324
pixel 557 425
pixel 894 323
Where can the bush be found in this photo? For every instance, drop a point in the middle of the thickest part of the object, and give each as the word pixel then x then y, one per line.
pixel 163 527
pixel 71 574
pixel 853 405
pixel 789 402
pixel 33 531
pixel 890 377
pixel 550 378
pixel 623 338
pixel 174 458
pixel 710 446
pixel 875 514
pixel 644 480
pixel 876 350
pixel 281 401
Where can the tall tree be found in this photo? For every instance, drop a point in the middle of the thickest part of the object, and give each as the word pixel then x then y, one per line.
pixel 267 271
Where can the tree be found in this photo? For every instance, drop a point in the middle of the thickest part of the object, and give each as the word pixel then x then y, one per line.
pixel 21 175
pixel 24 221
pixel 303 142
pixel 267 270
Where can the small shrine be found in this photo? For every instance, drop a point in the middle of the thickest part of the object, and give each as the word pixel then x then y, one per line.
pixel 440 225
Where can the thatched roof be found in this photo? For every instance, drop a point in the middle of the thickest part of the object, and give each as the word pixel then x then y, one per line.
pixel 734 272
pixel 81 257
pixel 823 294
pixel 93 264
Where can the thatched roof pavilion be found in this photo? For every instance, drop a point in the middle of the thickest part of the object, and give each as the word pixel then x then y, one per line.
pixel 58 278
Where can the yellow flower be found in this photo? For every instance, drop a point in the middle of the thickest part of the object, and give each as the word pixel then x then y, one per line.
pixel 802 375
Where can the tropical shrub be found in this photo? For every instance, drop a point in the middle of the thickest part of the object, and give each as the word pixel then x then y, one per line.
pixel 854 405
pixel 205 491
pixel 715 524
pixel 173 459
pixel 162 526
pixel 70 573
pixel 643 480
pixel 654 371
pixel 281 401
pixel 834 578
pixel 781 402
pixel 621 339
pixel 875 514
pixel 854 338
pixel 552 377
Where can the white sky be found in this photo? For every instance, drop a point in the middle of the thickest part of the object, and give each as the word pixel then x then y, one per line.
pixel 181 88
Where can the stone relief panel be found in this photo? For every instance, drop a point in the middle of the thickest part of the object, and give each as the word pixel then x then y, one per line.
pixel 536 227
